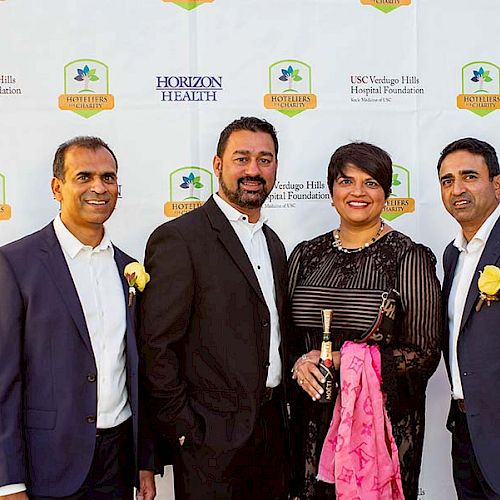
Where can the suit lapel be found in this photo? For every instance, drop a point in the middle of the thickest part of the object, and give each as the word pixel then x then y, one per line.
pixel 231 242
pixel 490 255
pixel 57 268
pixel 450 264
pixel 131 350
pixel 276 254
pixel 121 261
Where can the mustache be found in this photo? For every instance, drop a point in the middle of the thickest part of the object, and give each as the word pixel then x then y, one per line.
pixel 256 178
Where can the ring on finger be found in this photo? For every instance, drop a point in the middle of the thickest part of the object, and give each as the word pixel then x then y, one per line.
pixel 301 381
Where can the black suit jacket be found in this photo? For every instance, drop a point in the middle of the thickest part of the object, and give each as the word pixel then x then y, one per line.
pixel 48 390
pixel 206 329
pixel 479 360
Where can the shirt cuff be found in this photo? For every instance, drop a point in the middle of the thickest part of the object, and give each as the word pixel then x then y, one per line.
pixel 10 489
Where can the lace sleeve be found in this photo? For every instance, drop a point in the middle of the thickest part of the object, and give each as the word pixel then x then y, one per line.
pixel 296 343
pixel 294 262
pixel 417 352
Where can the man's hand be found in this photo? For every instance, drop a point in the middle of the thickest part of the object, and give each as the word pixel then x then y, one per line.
pixel 15 496
pixel 147 489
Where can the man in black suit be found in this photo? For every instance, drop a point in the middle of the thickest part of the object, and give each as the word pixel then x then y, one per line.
pixel 212 323
pixel 69 402
pixel 470 188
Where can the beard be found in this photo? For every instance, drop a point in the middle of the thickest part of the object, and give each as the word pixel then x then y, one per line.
pixel 243 198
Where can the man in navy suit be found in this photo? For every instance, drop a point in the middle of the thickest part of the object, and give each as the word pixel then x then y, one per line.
pixel 69 410
pixel 470 188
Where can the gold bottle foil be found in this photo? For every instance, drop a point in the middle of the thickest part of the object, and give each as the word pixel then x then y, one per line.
pixel 326 359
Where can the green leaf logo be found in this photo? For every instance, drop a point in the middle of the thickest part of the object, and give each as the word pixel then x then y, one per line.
pixel 86 75
pixel 191 182
pixel 290 75
pixel 481 77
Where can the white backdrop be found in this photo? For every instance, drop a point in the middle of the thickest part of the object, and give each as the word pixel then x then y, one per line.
pixel 167 76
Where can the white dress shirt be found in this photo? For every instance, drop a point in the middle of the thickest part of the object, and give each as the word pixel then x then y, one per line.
pixel 99 287
pixel 470 253
pixel 100 290
pixel 254 242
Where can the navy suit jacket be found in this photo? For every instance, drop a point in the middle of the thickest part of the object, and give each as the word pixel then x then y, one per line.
pixel 479 360
pixel 48 389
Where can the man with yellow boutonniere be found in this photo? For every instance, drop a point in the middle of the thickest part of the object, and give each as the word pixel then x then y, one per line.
pixel 469 175
pixel 70 422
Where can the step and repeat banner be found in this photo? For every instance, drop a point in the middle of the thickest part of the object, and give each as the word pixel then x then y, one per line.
pixel 159 79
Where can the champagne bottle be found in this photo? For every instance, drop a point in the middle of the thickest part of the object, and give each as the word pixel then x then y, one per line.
pixel 326 359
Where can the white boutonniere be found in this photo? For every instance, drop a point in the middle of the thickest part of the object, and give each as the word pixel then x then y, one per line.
pixel 489 285
pixel 136 277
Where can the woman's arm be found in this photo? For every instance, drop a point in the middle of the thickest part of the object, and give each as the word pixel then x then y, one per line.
pixel 417 350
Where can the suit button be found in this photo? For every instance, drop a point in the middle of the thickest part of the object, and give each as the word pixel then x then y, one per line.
pixel 267 364
pixel 91 377
pixel 90 419
pixel 465 374
pixel 265 324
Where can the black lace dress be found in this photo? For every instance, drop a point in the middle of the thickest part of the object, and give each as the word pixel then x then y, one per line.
pixel 321 276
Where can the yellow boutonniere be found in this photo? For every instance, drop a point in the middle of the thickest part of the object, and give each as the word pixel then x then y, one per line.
pixel 489 285
pixel 136 277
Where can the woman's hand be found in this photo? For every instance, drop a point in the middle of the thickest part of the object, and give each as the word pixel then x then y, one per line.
pixel 306 373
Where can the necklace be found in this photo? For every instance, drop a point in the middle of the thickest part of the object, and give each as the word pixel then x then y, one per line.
pixel 337 243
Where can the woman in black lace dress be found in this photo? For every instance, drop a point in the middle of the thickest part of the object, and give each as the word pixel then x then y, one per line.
pixel 347 270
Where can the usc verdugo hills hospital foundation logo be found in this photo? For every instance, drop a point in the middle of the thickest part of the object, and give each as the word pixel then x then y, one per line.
pixel 188 4
pixel 400 201
pixel 86 88
pixel 189 188
pixel 290 87
pixel 5 210
pixel 480 88
pixel 386 5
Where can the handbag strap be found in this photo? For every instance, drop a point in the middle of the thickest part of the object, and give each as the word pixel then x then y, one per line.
pixel 382 312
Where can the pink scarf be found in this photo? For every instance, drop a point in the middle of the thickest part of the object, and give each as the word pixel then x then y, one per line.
pixel 359 453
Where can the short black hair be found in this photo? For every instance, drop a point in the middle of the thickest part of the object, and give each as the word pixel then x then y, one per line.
pixel 475 147
pixel 250 123
pixel 86 142
pixel 367 157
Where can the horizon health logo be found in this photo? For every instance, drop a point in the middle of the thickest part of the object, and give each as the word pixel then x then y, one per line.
pixel 386 5
pixel 189 188
pixel 290 87
pixel 400 201
pixel 5 210
pixel 480 88
pixel 192 88
pixel 86 88
pixel 188 4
